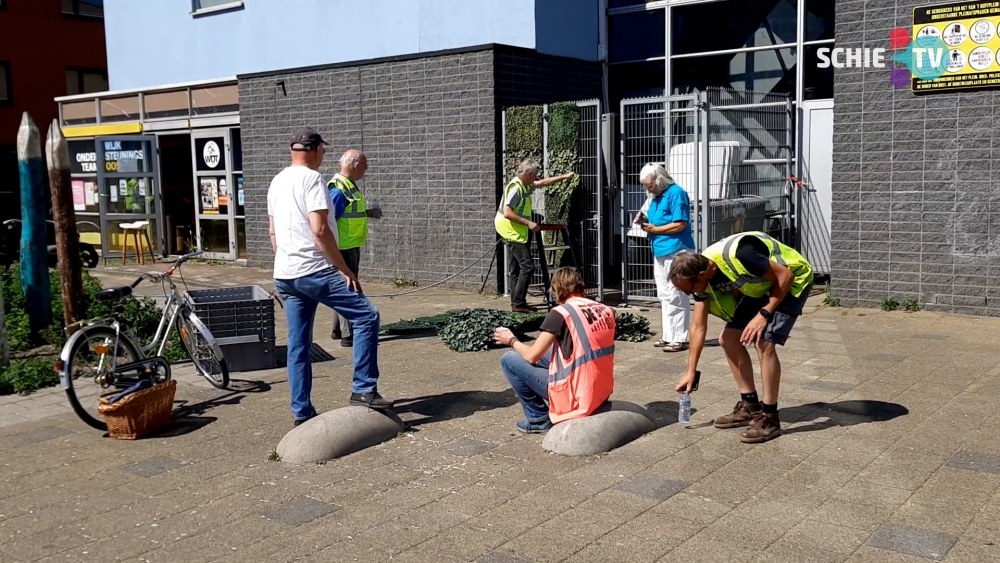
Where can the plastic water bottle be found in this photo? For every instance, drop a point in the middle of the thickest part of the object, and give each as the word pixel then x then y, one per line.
pixel 684 412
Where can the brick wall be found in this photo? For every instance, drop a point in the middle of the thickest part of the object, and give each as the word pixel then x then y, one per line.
pixel 916 190
pixel 430 128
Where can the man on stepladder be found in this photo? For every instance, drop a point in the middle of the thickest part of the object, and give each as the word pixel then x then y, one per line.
pixel 759 287
pixel 352 215
pixel 513 223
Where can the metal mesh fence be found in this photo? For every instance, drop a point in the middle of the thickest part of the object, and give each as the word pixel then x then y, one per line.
pixel 731 151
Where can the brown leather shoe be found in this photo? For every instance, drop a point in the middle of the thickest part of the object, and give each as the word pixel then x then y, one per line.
pixel 764 427
pixel 742 415
pixel 519 309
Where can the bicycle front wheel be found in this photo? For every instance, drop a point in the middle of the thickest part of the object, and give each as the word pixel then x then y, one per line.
pixel 201 347
pixel 91 357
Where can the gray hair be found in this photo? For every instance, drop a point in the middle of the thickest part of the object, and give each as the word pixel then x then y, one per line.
pixel 350 157
pixel 527 165
pixel 655 172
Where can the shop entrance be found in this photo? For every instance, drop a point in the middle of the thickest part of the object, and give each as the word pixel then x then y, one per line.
pixel 177 187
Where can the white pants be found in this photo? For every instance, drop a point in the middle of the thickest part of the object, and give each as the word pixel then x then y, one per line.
pixel 674 302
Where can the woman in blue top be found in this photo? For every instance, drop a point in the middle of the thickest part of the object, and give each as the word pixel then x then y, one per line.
pixel 667 222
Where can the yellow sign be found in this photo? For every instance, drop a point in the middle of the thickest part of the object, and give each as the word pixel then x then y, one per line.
pixel 971 32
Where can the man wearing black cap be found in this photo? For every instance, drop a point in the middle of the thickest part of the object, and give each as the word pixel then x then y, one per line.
pixel 309 269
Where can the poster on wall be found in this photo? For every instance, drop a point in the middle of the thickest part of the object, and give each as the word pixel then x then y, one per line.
pixel 209 196
pixel 971 33
pixel 79 199
pixel 89 194
pixel 239 191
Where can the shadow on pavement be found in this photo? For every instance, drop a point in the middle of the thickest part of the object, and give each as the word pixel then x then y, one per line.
pixel 664 413
pixel 844 413
pixel 186 419
pixel 454 404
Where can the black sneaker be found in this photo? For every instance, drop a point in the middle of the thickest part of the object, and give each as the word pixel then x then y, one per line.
pixel 299 421
pixel 370 400
pixel 347 342
pixel 335 335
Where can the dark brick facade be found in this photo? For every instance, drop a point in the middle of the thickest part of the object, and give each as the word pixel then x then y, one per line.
pixel 916 192
pixel 431 130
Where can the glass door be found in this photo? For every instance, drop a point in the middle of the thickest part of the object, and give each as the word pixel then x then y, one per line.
pixel 215 193
pixel 127 191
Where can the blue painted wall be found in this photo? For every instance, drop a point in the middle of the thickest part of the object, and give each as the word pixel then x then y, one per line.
pixel 157 42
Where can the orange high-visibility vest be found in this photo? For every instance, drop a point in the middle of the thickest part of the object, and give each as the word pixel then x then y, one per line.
pixel 583 382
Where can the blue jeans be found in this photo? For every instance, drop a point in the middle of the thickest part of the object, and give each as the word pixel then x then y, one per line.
pixel 530 383
pixel 302 296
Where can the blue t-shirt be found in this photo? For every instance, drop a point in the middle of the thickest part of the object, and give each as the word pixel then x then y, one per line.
pixel 672 205
pixel 339 201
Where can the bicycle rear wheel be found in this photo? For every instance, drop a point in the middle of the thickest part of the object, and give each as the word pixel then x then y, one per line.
pixel 201 347
pixel 91 357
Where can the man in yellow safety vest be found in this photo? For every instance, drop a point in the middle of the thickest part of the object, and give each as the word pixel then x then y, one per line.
pixel 352 224
pixel 513 221
pixel 759 287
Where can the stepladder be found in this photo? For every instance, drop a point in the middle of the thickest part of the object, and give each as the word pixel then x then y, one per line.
pixel 553 255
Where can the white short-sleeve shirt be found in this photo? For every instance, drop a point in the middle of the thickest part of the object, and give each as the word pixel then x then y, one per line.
pixel 293 194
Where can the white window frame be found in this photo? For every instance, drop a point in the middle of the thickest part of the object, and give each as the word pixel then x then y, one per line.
pixel 197 10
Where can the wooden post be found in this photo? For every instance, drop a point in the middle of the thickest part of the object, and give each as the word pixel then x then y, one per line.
pixel 67 237
pixel 34 247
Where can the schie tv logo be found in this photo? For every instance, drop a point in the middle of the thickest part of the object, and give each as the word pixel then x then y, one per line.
pixel 925 58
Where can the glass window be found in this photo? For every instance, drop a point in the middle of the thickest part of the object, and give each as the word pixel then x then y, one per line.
pixel 130 195
pixel 819 20
pixel 635 80
pixel 5 95
pixel 733 24
pixel 208 4
pixel 128 156
pixel 79 113
pixel 120 109
pixel 87 8
pixel 237 148
pixel 637 36
pixel 84 81
pixel 238 182
pixel 214 195
pixel 217 99
pixel 166 104
pixel 612 4
pixel 82 157
pixel 817 82
pixel 758 71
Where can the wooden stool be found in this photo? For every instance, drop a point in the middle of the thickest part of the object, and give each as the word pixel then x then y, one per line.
pixel 136 229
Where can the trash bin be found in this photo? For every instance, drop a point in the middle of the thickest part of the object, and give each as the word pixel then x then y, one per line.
pixel 242 321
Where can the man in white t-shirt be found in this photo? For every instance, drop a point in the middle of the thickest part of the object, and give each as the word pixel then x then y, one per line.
pixel 309 269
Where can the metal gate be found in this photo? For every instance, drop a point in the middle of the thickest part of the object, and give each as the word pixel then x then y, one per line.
pixel 730 150
pixel 588 205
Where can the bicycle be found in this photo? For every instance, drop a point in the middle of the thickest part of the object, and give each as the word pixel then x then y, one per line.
pixel 105 352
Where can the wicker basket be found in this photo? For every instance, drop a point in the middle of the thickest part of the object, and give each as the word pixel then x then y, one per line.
pixel 141 412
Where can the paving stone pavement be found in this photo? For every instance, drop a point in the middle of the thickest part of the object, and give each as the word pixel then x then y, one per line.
pixel 890 454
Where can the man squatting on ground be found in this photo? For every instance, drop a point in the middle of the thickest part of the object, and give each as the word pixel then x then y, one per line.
pixel 513 221
pixel 759 287
pixel 351 213
pixel 309 269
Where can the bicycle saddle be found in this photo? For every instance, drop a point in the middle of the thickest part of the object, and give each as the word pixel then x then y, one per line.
pixel 113 294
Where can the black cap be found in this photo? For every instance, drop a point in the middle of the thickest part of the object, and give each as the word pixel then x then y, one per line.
pixel 308 138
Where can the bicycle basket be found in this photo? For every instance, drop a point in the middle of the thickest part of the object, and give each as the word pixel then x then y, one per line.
pixel 140 413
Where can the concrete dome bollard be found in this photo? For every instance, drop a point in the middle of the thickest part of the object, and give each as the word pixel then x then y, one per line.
pixel 613 425
pixel 338 433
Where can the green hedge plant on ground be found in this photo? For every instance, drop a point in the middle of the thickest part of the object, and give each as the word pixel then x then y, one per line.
pixel 142 314
pixel 471 330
